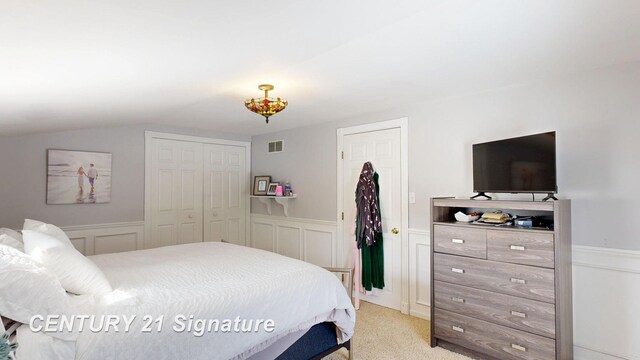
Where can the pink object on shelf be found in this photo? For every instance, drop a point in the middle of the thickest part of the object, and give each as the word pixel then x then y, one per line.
pixel 279 190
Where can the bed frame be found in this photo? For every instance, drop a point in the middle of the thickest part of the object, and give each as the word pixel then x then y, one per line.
pixel 315 344
pixel 321 340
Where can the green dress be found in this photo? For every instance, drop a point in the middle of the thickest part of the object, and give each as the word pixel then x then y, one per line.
pixel 373 256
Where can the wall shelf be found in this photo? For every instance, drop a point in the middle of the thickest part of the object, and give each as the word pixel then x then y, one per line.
pixel 269 199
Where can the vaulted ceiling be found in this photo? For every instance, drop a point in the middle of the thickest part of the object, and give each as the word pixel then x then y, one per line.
pixel 76 64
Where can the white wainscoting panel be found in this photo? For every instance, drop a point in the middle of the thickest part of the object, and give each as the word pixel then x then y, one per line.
pixel 106 238
pixel 310 240
pixel 606 302
pixel 419 270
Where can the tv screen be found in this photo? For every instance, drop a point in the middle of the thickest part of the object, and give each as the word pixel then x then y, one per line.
pixel 522 164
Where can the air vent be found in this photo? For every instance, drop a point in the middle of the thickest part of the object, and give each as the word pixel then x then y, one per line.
pixel 275 146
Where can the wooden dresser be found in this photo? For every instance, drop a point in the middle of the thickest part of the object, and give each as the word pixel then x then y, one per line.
pixel 501 292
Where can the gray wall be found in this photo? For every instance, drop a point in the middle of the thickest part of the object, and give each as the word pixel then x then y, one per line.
pixel 596 115
pixel 23 174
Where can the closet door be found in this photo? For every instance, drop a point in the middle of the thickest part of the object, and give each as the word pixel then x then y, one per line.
pixel 176 193
pixel 225 190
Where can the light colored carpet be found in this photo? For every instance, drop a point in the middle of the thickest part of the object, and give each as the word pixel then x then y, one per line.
pixel 383 333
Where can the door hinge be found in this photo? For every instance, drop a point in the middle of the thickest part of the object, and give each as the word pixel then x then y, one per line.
pixel 343 216
pixel 342 156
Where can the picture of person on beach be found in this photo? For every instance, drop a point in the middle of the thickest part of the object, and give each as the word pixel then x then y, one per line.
pixel 92 175
pixel 81 175
pixel 67 175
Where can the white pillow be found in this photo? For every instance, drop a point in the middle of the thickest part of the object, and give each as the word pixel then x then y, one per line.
pixel 28 289
pixel 11 238
pixel 48 229
pixel 77 274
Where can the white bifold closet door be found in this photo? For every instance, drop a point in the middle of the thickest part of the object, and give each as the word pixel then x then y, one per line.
pixel 176 202
pixel 198 193
pixel 225 184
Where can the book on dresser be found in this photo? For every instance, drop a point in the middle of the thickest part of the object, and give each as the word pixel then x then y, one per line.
pixel 502 292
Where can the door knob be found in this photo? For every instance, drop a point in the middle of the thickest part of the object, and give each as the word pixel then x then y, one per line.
pixel 395 230
pixel 190 216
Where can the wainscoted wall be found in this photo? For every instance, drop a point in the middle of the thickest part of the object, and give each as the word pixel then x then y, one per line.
pixel 106 238
pixel 606 293
pixel 419 268
pixel 606 282
pixel 313 241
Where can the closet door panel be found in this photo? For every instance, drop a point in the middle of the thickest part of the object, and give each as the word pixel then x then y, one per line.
pixel 176 192
pixel 225 205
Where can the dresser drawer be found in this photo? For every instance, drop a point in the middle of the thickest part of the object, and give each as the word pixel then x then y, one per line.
pixel 460 241
pixel 519 280
pixel 520 247
pixel 494 340
pixel 528 315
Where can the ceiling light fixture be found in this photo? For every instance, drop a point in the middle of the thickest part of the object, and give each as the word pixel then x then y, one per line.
pixel 266 106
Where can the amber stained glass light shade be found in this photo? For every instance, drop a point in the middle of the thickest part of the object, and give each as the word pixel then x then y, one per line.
pixel 266 106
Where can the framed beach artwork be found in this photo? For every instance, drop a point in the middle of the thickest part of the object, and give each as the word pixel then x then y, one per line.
pixel 78 177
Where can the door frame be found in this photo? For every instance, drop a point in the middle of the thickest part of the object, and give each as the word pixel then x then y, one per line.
pixel 403 125
pixel 150 135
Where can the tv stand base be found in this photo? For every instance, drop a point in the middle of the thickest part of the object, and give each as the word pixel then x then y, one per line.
pixel 481 194
pixel 550 197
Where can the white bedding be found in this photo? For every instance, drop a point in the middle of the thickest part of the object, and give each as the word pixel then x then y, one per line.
pixel 208 280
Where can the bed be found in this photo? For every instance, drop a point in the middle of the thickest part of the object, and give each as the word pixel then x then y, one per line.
pixel 309 306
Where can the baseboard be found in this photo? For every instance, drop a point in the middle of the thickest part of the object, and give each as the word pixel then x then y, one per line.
pixel 421 313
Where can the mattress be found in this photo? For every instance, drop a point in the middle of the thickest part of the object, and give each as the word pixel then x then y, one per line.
pixel 202 281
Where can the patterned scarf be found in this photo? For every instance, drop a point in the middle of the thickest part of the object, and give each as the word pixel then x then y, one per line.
pixel 368 220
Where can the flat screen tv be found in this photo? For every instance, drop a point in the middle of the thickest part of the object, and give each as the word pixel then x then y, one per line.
pixel 524 164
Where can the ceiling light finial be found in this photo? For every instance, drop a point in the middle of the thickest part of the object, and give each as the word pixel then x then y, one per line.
pixel 266 106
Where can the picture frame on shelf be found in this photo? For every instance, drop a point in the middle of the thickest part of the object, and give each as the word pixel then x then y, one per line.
pixel 261 184
pixel 273 186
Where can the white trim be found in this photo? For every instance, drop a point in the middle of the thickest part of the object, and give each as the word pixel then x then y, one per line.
pixel 584 353
pixel 149 135
pixel 418 307
pixel 606 259
pixel 403 124
pixel 101 226
pixel 198 139
pixel 415 231
pixel 293 219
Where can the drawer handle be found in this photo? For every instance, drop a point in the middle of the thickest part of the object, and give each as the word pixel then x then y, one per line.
pixel 518 281
pixel 457 299
pixel 516 247
pixel 518 347
pixel 457 328
pixel 456 270
pixel 457 241
pixel 518 314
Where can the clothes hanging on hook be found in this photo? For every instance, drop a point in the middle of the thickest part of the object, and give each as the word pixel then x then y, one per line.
pixel 368 221
pixel 369 229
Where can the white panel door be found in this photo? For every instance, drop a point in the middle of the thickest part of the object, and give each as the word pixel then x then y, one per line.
pixel 225 189
pixel 383 149
pixel 176 192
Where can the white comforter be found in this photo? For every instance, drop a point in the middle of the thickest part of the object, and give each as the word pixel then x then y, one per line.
pixel 210 280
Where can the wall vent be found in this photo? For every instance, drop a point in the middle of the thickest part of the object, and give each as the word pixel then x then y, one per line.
pixel 275 146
